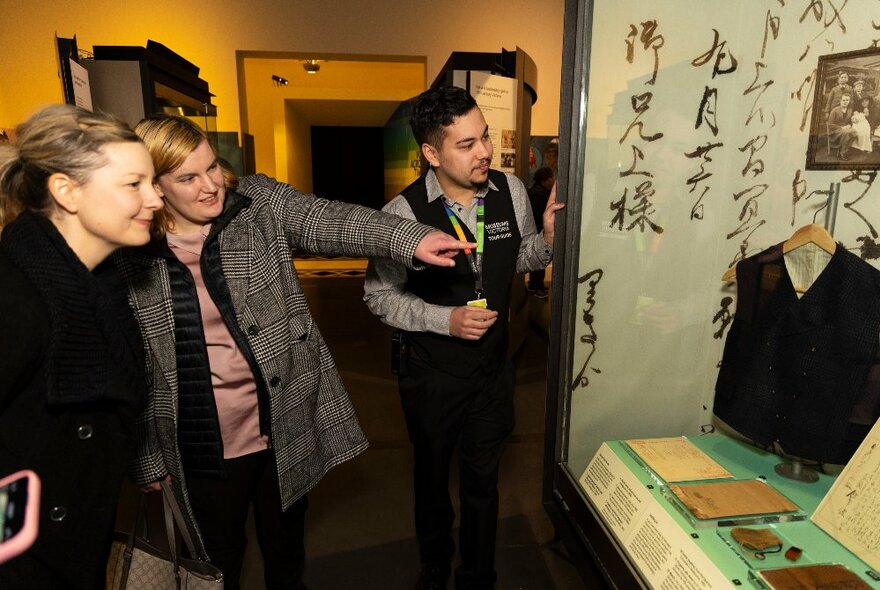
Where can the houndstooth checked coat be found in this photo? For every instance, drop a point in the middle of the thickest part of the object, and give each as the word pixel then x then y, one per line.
pixel 313 424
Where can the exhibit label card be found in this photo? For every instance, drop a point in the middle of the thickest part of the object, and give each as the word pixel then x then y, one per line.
pixel 677 459
pixel 81 90
pixel 662 551
pixel 848 512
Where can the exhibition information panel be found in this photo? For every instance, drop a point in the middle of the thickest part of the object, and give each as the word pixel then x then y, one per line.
pixel 674 550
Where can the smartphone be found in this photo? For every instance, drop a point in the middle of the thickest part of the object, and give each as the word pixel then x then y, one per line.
pixel 19 513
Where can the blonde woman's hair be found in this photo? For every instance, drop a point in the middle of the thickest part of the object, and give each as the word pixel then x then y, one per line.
pixel 170 140
pixel 58 138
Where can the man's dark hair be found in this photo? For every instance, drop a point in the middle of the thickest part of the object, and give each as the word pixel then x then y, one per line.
pixel 542 175
pixel 437 108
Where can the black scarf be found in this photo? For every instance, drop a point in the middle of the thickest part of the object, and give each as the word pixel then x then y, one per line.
pixel 94 349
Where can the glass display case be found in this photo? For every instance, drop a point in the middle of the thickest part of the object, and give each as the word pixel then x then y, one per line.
pixel 133 82
pixel 687 128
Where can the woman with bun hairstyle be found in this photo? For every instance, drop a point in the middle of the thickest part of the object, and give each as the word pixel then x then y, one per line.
pixel 74 187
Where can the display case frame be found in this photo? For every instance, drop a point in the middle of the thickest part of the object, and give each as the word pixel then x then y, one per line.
pixel 796 195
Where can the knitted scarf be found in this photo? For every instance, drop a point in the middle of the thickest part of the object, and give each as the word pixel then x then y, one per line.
pixel 93 332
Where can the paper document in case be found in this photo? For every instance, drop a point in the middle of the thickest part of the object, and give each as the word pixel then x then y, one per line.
pixel 677 459
pixel 848 512
pixel 732 498
pixel 810 577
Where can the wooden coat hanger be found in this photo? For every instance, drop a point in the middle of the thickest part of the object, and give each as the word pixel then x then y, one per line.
pixel 808 234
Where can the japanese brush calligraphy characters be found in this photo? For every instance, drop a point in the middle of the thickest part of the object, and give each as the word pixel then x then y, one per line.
pixel 725 63
pixel 588 337
pixel 635 211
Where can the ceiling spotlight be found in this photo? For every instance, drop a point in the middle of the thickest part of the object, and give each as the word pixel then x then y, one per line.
pixel 311 66
pixel 279 81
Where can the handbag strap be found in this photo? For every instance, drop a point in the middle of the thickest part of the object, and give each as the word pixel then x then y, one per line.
pixel 139 512
pixel 172 540
pixel 139 515
pixel 172 510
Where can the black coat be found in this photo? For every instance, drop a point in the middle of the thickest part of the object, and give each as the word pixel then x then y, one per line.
pixel 71 384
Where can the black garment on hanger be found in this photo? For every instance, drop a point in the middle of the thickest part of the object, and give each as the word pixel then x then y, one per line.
pixel 803 373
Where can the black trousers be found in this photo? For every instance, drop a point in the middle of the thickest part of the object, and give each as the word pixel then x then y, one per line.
pixel 536 279
pixel 475 414
pixel 221 509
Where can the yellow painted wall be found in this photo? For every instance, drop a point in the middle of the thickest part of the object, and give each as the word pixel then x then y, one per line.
pixel 299 150
pixel 208 34
pixel 338 80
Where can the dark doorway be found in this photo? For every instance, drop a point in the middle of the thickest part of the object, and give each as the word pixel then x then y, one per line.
pixel 348 164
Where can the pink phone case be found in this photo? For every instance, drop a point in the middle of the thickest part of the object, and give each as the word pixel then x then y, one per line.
pixel 25 537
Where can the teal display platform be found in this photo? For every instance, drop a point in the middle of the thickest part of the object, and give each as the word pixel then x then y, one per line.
pixel 747 462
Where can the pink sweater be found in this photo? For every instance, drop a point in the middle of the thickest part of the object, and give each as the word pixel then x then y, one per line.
pixel 235 391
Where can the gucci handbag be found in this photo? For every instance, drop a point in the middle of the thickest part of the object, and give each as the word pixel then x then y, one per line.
pixel 135 564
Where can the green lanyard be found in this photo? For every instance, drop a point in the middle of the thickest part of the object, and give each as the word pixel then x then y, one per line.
pixel 475 261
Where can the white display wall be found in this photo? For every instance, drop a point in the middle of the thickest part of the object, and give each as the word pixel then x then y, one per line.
pixel 694 132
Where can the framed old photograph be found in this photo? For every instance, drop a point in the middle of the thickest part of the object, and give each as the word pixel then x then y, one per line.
pixel 844 131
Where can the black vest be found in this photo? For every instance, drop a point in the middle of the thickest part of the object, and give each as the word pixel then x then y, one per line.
pixel 198 427
pixel 797 371
pixel 455 286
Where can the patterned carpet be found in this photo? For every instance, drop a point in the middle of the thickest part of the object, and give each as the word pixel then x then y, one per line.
pixel 318 267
